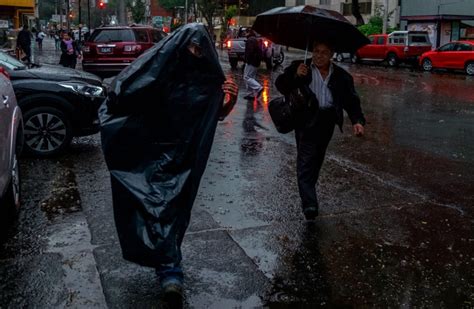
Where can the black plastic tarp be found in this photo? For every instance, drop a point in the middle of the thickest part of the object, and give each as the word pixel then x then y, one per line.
pixel 157 127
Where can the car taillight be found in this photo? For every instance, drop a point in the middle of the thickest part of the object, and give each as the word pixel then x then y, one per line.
pixel 265 43
pixel 132 48
pixel 229 44
pixel 86 49
pixel 4 72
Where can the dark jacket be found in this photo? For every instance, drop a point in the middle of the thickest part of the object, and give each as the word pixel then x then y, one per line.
pixel 253 53
pixel 341 85
pixel 24 39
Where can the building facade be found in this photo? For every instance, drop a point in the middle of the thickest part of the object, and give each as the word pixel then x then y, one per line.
pixel 15 13
pixel 368 8
pixel 445 20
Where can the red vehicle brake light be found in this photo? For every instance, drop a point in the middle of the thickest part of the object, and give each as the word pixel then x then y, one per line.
pixel 4 72
pixel 229 44
pixel 265 43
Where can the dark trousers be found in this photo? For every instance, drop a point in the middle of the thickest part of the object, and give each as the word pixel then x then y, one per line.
pixel 311 146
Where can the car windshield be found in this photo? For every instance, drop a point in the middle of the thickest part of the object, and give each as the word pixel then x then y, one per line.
pixel 10 63
pixel 113 35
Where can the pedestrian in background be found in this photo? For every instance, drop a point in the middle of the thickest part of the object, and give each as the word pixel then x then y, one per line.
pixel 69 51
pixel 331 90
pixel 23 42
pixel 57 40
pixel 39 38
pixel 253 57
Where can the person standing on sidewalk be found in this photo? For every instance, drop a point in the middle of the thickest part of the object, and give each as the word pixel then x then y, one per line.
pixel 23 42
pixel 69 52
pixel 253 57
pixel 333 88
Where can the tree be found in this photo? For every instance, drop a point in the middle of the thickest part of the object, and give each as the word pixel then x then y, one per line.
pixel 138 10
pixel 229 13
pixel 208 9
pixel 356 13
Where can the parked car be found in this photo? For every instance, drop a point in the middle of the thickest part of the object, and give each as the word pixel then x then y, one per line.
pixel 58 103
pixel 396 47
pixel 458 55
pixel 11 138
pixel 111 49
pixel 272 54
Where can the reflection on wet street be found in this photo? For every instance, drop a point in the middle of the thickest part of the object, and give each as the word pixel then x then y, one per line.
pixel 395 226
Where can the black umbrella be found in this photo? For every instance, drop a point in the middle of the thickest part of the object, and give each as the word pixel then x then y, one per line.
pixel 299 26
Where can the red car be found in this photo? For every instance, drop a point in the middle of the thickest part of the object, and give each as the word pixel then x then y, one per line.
pixel 111 49
pixel 457 55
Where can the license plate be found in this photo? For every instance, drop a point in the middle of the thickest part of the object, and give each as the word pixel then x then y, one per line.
pixel 234 55
pixel 106 50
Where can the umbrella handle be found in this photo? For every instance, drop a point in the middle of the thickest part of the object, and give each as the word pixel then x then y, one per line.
pixel 306 52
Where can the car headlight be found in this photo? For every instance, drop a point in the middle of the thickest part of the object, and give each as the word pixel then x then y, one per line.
pixel 85 89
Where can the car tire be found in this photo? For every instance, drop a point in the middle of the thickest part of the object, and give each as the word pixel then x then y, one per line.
pixel 279 60
pixel 427 65
pixel 47 131
pixel 392 60
pixel 11 199
pixel 233 63
pixel 339 57
pixel 470 68
pixel 354 59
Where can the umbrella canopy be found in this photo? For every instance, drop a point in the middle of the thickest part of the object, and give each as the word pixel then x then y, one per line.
pixel 299 26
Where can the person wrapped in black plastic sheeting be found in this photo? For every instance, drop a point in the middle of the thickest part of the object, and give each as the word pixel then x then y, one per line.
pixel 157 126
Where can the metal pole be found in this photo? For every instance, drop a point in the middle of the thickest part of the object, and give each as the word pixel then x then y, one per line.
pixel 89 15
pixel 67 16
pixel 80 19
pixel 385 17
pixel 186 12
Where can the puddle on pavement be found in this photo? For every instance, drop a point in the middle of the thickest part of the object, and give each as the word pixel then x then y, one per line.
pixel 64 197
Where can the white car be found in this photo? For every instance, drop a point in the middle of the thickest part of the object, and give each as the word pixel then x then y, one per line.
pixel 11 141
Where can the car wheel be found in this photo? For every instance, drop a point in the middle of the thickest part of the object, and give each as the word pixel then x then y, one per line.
pixel 279 60
pixel 392 60
pixel 339 57
pixel 233 63
pixel 12 197
pixel 427 64
pixel 47 131
pixel 470 68
pixel 354 59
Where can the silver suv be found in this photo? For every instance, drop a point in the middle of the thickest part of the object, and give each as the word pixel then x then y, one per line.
pixel 11 140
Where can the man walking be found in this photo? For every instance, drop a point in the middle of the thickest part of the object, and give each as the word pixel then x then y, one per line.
pixel 253 57
pixel 333 88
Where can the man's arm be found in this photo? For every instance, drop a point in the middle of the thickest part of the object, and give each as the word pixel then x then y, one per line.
pixel 353 108
pixel 288 80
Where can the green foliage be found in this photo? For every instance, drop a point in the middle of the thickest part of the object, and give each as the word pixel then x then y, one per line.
pixel 208 9
pixel 374 26
pixel 170 4
pixel 138 11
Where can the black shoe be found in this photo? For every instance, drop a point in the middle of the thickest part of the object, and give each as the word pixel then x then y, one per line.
pixel 172 291
pixel 311 213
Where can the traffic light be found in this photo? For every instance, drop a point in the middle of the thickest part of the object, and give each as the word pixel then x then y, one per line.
pixel 101 5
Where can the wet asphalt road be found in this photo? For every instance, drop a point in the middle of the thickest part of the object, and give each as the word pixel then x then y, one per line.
pixel 395 230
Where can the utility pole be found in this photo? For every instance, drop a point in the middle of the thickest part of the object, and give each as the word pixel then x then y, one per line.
pixel 67 15
pixel 385 17
pixel 80 19
pixel 186 12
